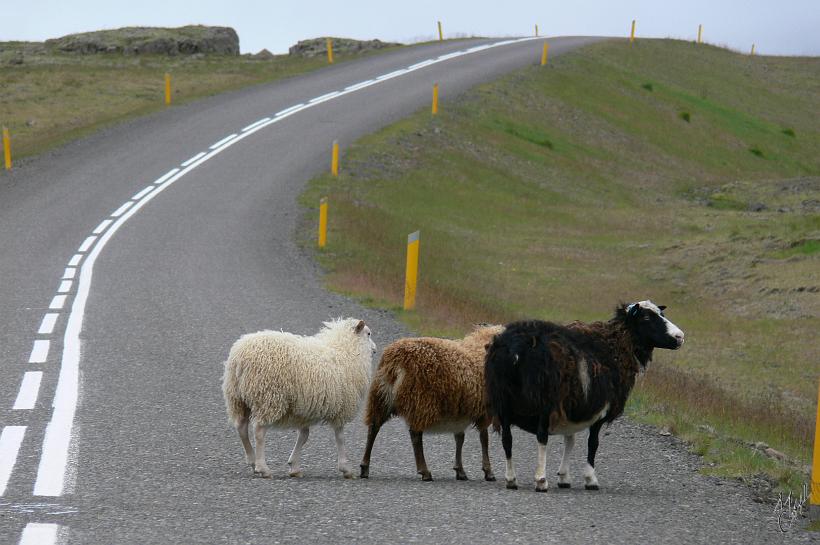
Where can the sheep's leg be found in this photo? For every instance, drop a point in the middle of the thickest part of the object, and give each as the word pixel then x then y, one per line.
pixel 564 480
pixel 418 450
pixel 295 459
pixel 506 442
pixel 242 427
pixel 484 436
pixel 342 464
pixel 542 435
pixel 372 432
pixel 459 467
pixel 260 466
pixel 590 479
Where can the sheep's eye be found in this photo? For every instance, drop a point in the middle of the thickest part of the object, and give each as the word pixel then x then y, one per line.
pixel 646 318
pixel 368 333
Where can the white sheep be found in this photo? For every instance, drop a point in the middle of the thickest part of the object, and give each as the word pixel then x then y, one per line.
pixel 284 380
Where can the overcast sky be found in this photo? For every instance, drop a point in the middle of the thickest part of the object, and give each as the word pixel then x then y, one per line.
pixel 782 27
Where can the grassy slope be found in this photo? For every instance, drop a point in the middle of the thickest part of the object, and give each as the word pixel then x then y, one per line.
pixel 56 97
pixel 557 192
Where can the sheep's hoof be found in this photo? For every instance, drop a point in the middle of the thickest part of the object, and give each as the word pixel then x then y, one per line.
pixel 488 476
pixel 348 474
pixel 541 485
pixel 592 487
pixel 425 476
pixel 365 473
pixel 264 473
pixel 461 475
pixel 512 485
pixel 296 474
pixel 564 485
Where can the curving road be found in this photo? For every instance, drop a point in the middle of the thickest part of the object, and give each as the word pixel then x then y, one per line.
pixel 125 312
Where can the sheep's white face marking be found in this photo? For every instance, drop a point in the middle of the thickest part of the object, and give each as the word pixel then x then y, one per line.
pixel 368 335
pixel 672 330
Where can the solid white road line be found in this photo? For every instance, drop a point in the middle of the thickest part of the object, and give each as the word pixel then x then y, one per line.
pixel 36 533
pixel 101 227
pixel 121 210
pixel 224 141
pixel 47 325
pixel 361 85
pixel 65 286
pixel 39 352
pixel 86 244
pixel 69 273
pixel 323 98
pixel 194 159
pixel 10 440
pixel 143 193
pixel 29 389
pixel 57 303
pixel 289 110
pixel 165 176
pixel 391 75
pixel 256 124
pixel 75 260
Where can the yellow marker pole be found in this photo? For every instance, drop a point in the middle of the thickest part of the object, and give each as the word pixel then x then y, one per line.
pixel 435 98
pixel 440 34
pixel 329 51
pixel 753 49
pixel 632 34
pixel 7 148
pixel 411 274
pixel 322 222
pixel 536 31
pixel 544 54
pixel 167 89
pixel 334 162
pixel 700 32
pixel 814 498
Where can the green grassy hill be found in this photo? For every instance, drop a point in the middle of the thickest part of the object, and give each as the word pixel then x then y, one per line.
pixel 666 170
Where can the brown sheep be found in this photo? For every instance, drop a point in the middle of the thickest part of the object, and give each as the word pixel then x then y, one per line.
pixel 436 386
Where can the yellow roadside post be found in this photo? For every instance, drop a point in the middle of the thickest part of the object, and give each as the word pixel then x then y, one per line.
pixel 544 54
pixel 329 51
pixel 411 274
pixel 814 497
pixel 435 98
pixel 7 148
pixel 334 162
pixel 322 222
pixel 753 49
pixel 440 33
pixel 167 89
pixel 632 34
pixel 700 32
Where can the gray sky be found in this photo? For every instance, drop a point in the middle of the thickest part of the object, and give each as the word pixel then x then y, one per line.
pixel 784 27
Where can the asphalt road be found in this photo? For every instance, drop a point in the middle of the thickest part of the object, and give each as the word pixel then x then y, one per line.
pixel 211 256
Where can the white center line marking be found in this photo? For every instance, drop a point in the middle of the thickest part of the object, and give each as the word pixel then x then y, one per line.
pixel 392 74
pixel 69 273
pixel 165 176
pixel 195 158
pixel 360 85
pixel 290 110
pixel 324 97
pixel 75 260
pixel 39 352
pixel 47 325
pixel 121 210
pixel 29 389
pixel 57 303
pixel 87 244
pixel 10 440
pixel 65 286
pixel 143 193
pixel 102 227
pixel 256 124
pixel 36 533
pixel 421 64
pixel 224 141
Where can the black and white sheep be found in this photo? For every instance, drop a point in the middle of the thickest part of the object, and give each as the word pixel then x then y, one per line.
pixel 550 379
pixel 291 381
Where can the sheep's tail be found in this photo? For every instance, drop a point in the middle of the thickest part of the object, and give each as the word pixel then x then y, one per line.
pixel 496 360
pixel 236 407
pixel 382 395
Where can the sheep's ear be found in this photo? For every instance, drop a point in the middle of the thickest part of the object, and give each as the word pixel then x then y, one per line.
pixel 662 308
pixel 359 327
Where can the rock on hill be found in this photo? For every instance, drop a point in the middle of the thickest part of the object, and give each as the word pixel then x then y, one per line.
pixel 186 40
pixel 318 46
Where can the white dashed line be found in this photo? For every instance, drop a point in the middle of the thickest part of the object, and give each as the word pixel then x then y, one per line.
pixel 10 440
pixel 121 210
pixel 290 110
pixel 361 85
pixel 86 244
pixel 392 74
pixel 36 533
pixel 57 303
pixel 256 124
pixel 102 227
pixel 47 325
pixel 224 141
pixel 29 389
pixel 194 159
pixel 165 176
pixel 69 273
pixel 75 260
pixel 323 98
pixel 39 352
pixel 421 64
pixel 143 193
pixel 65 286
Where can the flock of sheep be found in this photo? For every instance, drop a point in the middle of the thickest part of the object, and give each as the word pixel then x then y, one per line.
pixel 544 378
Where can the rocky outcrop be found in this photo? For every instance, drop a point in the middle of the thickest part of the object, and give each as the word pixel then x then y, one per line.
pixel 187 40
pixel 318 46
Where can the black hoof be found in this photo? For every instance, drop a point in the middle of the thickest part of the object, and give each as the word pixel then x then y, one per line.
pixel 489 477
pixel 365 473
pixel 541 489
pixel 426 477
pixel 512 485
pixel 592 487
pixel 564 485
pixel 461 476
